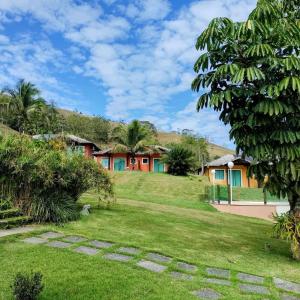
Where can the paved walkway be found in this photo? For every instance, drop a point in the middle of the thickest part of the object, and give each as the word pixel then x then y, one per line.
pixel 17 230
pixel 211 278
pixel 256 211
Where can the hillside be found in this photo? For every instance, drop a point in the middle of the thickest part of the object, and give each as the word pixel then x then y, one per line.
pixel 165 138
pixel 172 137
pixel 6 130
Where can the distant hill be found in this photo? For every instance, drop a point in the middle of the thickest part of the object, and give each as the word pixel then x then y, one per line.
pixel 214 150
pixel 165 138
pixel 5 130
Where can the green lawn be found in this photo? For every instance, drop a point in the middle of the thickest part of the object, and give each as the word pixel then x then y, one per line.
pixel 162 188
pixel 241 194
pixel 197 235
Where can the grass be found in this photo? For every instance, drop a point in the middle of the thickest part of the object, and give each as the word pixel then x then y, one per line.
pixel 242 194
pixel 161 188
pixel 5 130
pixel 196 234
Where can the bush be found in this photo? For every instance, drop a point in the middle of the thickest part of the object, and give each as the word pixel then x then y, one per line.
pixel 27 286
pixel 180 160
pixel 287 227
pixel 46 183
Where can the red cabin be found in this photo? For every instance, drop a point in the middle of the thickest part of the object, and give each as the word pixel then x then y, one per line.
pixel 147 161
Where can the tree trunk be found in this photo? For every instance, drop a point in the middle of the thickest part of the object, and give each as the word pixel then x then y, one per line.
pixel 294 201
pixel 132 157
pixel 202 167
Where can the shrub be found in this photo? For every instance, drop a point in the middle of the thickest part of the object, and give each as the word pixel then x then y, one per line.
pixel 27 286
pixel 179 160
pixel 46 183
pixel 287 227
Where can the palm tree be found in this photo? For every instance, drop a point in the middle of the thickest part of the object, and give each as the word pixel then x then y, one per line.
pixel 132 138
pixel 24 100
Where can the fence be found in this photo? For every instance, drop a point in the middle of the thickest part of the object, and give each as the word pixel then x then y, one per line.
pixel 222 193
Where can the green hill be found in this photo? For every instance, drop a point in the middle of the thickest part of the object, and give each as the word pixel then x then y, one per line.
pixel 172 137
pixel 164 138
pixel 5 130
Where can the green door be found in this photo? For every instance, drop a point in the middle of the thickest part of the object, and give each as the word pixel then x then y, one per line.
pixel 158 166
pixel 236 178
pixel 119 164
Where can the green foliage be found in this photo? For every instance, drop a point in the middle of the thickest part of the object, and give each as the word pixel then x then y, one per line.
pixel 287 227
pixel 24 110
pixel 95 129
pixel 252 72
pixel 180 160
pixel 46 183
pixel 199 147
pixel 27 286
pixel 133 138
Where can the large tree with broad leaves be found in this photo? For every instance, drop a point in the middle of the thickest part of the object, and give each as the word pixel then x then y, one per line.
pixel 251 74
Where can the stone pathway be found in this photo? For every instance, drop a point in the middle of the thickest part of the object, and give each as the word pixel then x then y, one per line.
pixel 17 230
pixel 214 278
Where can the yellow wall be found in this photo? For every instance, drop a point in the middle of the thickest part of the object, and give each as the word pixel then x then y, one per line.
pixel 246 182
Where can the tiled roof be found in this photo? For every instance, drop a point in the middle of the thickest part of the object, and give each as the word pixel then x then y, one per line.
pixel 224 160
pixel 71 137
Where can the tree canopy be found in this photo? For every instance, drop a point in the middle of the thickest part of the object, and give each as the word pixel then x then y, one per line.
pixel 251 70
pixel 133 137
pixel 23 109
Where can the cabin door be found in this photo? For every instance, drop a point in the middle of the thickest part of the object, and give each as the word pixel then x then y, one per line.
pixel 158 166
pixel 236 178
pixel 119 164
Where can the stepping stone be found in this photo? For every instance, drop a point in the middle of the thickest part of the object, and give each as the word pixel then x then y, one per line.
pixel 100 244
pixel 129 250
pixel 51 235
pixel 255 289
pixel 75 239
pixel 182 276
pixel 117 257
pixel 59 244
pixel 218 281
pixel 151 266
pixel 207 294
pixel 218 272
pixel 289 297
pixel 287 285
pixel 186 267
pixel 35 240
pixel 159 257
pixel 86 250
pixel 250 278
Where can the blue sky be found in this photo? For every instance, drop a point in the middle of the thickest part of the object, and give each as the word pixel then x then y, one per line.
pixel 115 58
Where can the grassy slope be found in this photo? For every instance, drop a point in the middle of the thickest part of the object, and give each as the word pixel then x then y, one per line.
pixel 161 188
pixel 6 130
pixel 170 137
pixel 198 235
pixel 173 137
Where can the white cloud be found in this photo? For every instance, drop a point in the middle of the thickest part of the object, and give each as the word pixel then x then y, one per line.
pixel 145 10
pixel 4 39
pixel 60 15
pixel 206 123
pixel 143 58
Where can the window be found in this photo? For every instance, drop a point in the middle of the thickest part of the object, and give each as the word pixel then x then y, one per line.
pixel 145 161
pixel 133 161
pixel 220 175
pixel 105 162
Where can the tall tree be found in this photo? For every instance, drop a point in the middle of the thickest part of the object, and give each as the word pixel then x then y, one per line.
pixel 24 100
pixel 132 138
pixel 198 145
pixel 252 72
pixel 23 109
